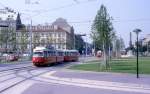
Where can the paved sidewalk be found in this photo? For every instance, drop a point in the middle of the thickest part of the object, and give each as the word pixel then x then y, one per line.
pixel 104 76
pixel 94 80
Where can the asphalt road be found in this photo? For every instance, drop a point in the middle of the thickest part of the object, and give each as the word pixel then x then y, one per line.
pixel 58 80
pixel 66 89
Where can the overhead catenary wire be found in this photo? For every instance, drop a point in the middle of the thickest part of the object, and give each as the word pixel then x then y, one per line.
pixel 113 21
pixel 58 8
pixel 40 12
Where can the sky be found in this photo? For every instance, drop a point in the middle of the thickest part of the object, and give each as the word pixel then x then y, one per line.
pixel 127 14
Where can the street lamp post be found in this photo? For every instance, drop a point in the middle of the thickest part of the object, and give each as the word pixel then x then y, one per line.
pixel 137 31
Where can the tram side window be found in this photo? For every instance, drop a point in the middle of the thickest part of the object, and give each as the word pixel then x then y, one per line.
pixel 68 54
pixel 59 53
pixel 53 53
pixel 72 53
pixel 45 53
pixel 37 54
pixel 65 54
pixel 49 53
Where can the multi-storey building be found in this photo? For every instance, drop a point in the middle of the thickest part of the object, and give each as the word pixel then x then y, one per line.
pixel 56 35
pixel 60 35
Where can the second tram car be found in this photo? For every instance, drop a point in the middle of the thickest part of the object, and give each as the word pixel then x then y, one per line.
pixel 71 55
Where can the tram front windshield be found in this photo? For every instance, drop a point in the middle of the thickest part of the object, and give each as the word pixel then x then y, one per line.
pixel 38 54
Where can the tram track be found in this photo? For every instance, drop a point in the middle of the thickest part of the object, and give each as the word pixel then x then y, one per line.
pixel 19 75
pixel 13 73
pixel 19 82
pixel 13 70
pixel 16 77
pixel 16 68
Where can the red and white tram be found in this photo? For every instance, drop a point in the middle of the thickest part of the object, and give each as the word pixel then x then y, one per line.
pixel 46 56
pixel 71 55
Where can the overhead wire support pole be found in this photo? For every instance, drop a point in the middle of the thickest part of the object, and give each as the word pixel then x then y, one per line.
pixel 74 41
pixel 54 27
pixel 30 32
pixel 85 45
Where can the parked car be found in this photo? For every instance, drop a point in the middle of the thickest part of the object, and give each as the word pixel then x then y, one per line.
pixel 12 57
pixel 0 54
pixel 99 53
pixel 5 55
pixel 26 54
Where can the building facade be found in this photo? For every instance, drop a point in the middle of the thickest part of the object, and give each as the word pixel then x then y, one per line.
pixel 146 43
pixel 56 35
pixel 18 37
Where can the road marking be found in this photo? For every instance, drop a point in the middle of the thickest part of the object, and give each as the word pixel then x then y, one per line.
pixel 96 84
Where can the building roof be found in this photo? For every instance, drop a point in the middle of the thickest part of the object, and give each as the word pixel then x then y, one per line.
pixel 43 28
pixel 61 22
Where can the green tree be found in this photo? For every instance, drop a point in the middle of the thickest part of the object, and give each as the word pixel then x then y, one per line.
pixel 23 40
pixel 103 32
pixel 96 40
pixel 8 38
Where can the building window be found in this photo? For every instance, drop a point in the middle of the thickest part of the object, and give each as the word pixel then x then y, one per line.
pixel 42 34
pixel 59 46
pixel 59 35
pixel 50 35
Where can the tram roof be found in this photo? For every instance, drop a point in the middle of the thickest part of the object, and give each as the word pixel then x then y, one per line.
pixel 70 50
pixel 41 48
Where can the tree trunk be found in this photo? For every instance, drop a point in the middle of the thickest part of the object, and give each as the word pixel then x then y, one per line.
pixel 107 56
